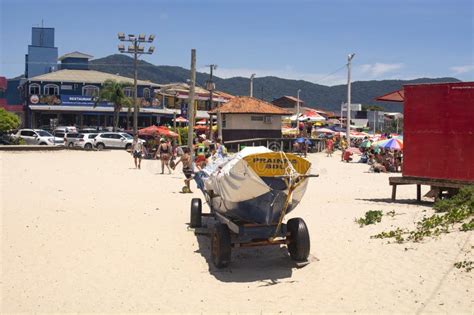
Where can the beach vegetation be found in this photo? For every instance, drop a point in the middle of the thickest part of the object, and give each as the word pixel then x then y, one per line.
pixel 457 210
pixel 371 217
pixel 466 265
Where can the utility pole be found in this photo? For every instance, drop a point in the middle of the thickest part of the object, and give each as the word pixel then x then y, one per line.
pixel 191 115
pixel 348 123
pixel 298 108
pixel 136 49
pixel 251 84
pixel 210 87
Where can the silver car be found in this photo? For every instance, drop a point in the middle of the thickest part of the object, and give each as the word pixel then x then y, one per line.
pixel 35 136
pixel 85 141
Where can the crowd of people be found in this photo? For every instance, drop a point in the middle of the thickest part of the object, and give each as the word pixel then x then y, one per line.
pixel 379 159
pixel 171 155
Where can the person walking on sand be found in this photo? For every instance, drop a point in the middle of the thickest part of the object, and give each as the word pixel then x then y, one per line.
pixel 329 147
pixel 164 150
pixel 137 151
pixel 187 162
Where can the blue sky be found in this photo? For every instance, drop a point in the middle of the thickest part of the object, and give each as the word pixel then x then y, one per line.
pixel 297 39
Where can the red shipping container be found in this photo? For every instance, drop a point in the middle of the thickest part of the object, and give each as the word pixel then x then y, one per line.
pixel 439 131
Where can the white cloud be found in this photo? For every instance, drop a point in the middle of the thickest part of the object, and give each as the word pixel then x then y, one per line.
pixel 377 69
pixel 462 69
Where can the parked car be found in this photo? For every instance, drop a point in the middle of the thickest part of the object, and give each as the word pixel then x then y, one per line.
pixel 70 138
pixel 66 129
pixel 114 140
pixel 85 141
pixel 35 136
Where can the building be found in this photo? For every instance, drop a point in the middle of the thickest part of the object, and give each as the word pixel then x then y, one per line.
pixel 376 121
pixel 175 96
pixel 288 102
pixel 246 117
pixel 42 55
pixel 68 95
pixel 10 97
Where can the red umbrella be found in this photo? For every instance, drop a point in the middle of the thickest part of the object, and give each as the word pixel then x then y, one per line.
pixel 201 127
pixel 181 120
pixel 157 132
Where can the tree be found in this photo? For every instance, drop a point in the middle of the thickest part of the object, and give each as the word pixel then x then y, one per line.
pixel 8 121
pixel 372 108
pixel 113 91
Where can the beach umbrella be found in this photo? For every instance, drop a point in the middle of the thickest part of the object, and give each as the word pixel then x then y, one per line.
pixel 324 130
pixel 181 119
pixel 393 144
pixel 201 122
pixel 157 131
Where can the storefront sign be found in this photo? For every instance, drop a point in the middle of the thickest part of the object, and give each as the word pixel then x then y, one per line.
pixel 77 100
pixel 34 99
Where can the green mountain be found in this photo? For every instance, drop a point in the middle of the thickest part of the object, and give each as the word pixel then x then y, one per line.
pixel 267 88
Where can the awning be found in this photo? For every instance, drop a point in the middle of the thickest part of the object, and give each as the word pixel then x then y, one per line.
pixel 396 96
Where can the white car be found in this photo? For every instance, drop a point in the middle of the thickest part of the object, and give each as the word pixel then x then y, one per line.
pixel 35 136
pixel 85 141
pixel 120 140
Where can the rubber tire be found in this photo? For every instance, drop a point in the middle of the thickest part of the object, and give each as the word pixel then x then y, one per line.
pixel 43 143
pixel 128 147
pixel 196 211
pixel 299 245
pixel 220 246
pixel 100 146
pixel 88 146
pixel 70 145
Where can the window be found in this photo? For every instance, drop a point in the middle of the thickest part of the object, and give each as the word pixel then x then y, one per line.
pixel 224 122
pixel 90 90
pixel 51 89
pixel 27 133
pixel 115 136
pixel 34 89
pixel 267 119
pixel 256 118
pixel 146 93
pixel 129 92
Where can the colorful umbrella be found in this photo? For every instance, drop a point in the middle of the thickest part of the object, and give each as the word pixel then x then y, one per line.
pixel 324 130
pixel 181 120
pixel 393 144
pixel 157 131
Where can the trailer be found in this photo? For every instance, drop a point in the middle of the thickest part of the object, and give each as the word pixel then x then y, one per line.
pixel 438 137
pixel 228 233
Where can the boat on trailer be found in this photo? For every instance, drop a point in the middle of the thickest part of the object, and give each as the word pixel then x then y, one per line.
pixel 249 195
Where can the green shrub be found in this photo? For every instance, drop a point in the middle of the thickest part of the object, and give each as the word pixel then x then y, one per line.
pixel 8 121
pixel 371 217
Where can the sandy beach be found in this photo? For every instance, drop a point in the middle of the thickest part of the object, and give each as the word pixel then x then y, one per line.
pixel 86 232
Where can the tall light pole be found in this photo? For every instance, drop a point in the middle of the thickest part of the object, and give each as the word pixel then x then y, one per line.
pixel 136 49
pixel 298 107
pixel 251 84
pixel 348 122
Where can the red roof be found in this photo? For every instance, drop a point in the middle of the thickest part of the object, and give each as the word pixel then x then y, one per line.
pixel 249 105
pixel 396 96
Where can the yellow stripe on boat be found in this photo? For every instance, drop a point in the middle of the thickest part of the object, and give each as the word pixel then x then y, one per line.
pixel 276 163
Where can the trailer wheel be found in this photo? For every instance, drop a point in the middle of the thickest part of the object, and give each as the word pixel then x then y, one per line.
pixel 299 239
pixel 196 211
pixel 220 246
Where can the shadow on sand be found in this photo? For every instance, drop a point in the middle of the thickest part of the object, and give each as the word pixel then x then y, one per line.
pixel 268 264
pixel 401 201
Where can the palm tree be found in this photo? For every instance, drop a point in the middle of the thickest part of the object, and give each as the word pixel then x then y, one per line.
pixel 113 91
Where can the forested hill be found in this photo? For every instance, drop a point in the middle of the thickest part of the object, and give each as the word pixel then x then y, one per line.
pixel 267 88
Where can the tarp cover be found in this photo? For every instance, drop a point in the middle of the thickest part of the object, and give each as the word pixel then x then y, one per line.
pixel 232 178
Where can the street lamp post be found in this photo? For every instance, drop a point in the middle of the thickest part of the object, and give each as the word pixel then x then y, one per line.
pixel 251 84
pixel 136 49
pixel 211 87
pixel 348 122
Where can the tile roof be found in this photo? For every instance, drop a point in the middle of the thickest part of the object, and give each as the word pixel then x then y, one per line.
pixel 85 76
pixel 292 98
pixel 249 105
pixel 75 54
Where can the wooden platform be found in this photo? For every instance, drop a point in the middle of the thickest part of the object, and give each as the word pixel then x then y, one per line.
pixel 437 185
